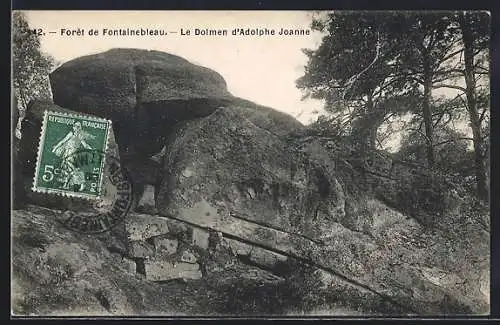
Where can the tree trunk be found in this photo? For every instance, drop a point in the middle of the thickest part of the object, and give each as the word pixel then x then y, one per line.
pixel 475 123
pixel 362 129
pixel 365 131
pixel 426 110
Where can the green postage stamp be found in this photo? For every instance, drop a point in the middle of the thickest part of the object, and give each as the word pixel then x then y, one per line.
pixel 71 156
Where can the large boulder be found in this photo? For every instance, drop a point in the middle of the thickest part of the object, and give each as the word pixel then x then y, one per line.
pixel 225 173
pixel 147 94
pixel 143 92
pixel 277 123
pixel 237 167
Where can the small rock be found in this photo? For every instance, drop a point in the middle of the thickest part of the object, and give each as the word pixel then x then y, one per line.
pixel 238 248
pixel 140 249
pixel 143 226
pixel 255 254
pixel 260 276
pixel 128 265
pixel 157 270
pixel 200 238
pixel 251 192
pixel 324 278
pixel 188 257
pixel 265 258
pixel 187 173
pixel 165 246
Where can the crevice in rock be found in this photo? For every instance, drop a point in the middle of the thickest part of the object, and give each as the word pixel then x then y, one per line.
pixel 326 269
pixel 312 263
pixel 322 183
pixel 116 250
pixel 246 259
pixel 151 240
pixel 238 216
pixel 140 266
pixel 103 300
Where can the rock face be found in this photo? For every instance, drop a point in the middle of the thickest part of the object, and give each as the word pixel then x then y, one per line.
pixel 52 264
pixel 226 173
pixel 143 92
pixel 57 272
pixel 224 165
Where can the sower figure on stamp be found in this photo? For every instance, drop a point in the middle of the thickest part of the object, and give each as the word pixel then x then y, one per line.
pixel 67 149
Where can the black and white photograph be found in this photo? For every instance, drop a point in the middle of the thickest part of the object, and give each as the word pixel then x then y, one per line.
pixel 217 164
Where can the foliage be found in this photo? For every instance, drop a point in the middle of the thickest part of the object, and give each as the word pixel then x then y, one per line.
pixel 31 67
pixel 374 68
pixel 327 126
pixel 422 194
pixel 371 66
pixel 352 62
pixel 452 154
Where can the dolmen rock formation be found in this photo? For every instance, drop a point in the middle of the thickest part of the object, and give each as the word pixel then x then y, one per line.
pixel 226 166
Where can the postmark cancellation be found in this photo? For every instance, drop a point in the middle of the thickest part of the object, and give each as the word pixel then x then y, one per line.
pixel 66 162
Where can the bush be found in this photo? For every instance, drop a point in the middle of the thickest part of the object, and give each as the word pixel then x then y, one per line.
pixel 421 193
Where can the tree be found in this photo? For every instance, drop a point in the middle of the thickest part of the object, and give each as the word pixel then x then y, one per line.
pixel 465 76
pixel 451 150
pixel 31 67
pixel 463 34
pixel 372 66
pixel 475 37
pixel 459 63
pixel 353 71
pixel 430 39
pixel 375 65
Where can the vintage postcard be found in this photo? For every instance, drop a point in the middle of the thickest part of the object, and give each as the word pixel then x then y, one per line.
pixel 250 164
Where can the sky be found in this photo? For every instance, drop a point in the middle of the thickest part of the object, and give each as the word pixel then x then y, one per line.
pixel 262 69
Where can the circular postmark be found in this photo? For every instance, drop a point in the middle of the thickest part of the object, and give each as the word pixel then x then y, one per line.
pixel 112 184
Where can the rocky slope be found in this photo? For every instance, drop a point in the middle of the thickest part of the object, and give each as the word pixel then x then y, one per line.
pixel 58 272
